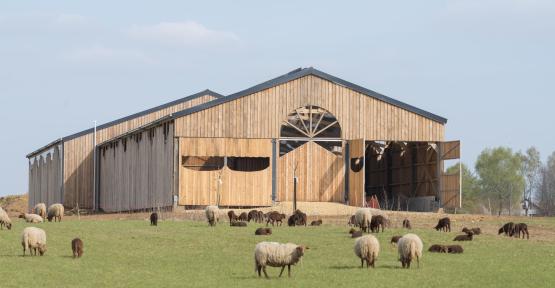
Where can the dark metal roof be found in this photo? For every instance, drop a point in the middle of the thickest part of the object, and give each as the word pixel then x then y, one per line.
pixel 301 72
pixel 43 148
pixel 138 129
pixel 126 118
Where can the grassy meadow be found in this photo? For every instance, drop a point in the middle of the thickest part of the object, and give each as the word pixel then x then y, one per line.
pixel 130 253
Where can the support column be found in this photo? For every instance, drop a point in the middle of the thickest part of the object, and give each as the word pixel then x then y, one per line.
pixel 439 172
pixel 274 170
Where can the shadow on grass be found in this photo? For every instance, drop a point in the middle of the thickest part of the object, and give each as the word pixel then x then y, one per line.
pixel 345 267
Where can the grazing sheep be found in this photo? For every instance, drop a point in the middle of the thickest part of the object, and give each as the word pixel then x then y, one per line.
pixel 395 239
pixel 56 212
pixel 275 218
pixel 277 255
pixel 77 247
pixel 507 228
pixel 232 216
pixel 409 248
pixel 444 224
pixel 367 248
pixel 244 217
pixel 406 224
pixel 5 220
pixel 154 219
pixel 467 237
pixel 263 231
pixel 436 248
pixel 212 215
pixel 238 224
pixel 475 231
pixel 316 223
pixel 362 219
pixel 40 209
pixel 356 234
pixel 33 239
pixel 31 218
pixel 352 221
pixel 455 249
pixel 520 228
pixel 261 217
pixel 352 230
pixel 253 215
pixel 376 222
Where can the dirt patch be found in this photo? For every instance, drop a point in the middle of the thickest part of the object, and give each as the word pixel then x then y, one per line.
pixel 14 204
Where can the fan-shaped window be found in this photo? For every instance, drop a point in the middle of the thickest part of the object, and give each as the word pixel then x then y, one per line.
pixel 202 163
pixel 248 164
pixel 311 122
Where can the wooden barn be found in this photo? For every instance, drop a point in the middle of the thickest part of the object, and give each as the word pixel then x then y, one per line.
pixel 306 135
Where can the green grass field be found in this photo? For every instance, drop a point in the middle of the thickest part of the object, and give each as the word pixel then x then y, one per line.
pixel 130 253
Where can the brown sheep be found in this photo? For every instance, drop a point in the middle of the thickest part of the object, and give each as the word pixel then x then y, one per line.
pixel 506 229
pixel 455 249
pixel 238 224
pixel 395 239
pixel 475 231
pixel 253 215
pixel 153 219
pixel 352 221
pixel 316 223
pixel 438 248
pixel 232 216
pixel 275 218
pixel 77 247
pixel 467 237
pixel 376 222
pixel 263 231
pixel 356 234
pixel 244 217
pixel 520 228
pixel 406 224
pixel 444 224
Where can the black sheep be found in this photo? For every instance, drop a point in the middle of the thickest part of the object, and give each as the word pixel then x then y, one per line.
pixel 406 224
pixel 507 229
pixel 436 248
pixel 263 231
pixel 520 228
pixel 316 223
pixel 467 237
pixel 239 224
pixel 376 222
pixel 444 224
pixel 455 249
pixel 154 219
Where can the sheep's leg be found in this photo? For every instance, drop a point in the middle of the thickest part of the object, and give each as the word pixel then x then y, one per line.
pixel 289 270
pixel 361 263
pixel 259 269
pixel 282 268
pixel 264 270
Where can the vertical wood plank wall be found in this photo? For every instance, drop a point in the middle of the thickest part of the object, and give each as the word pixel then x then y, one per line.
pixel 45 183
pixel 238 188
pixel 320 174
pixel 260 115
pixel 78 153
pixel 356 179
pixel 136 172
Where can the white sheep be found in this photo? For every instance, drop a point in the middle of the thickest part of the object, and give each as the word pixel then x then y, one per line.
pixel 277 255
pixel 31 218
pixel 409 248
pixel 5 220
pixel 362 218
pixel 33 239
pixel 367 248
pixel 212 215
pixel 55 211
pixel 40 209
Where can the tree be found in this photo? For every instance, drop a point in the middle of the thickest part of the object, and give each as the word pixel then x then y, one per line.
pixel 531 170
pixel 471 201
pixel 546 191
pixel 500 177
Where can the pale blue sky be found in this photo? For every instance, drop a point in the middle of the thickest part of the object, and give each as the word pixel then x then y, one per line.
pixel 486 65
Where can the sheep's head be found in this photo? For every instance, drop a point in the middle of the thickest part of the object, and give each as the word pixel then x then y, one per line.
pixel 500 231
pixel 269 231
pixel 9 226
pixel 42 249
pixel 49 218
pixel 352 231
pixel 21 215
pixel 300 250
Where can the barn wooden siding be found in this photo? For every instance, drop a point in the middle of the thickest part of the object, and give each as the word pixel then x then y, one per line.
pixel 356 178
pixel 237 188
pixel 78 153
pixel 136 171
pixel 45 180
pixel 260 115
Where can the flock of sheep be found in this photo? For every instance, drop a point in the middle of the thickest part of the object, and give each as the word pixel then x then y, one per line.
pixel 367 247
pixel 33 239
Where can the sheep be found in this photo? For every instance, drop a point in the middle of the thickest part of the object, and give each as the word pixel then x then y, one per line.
pixel 409 248
pixel 243 217
pixel 376 222
pixel 275 218
pixel 475 231
pixel 212 215
pixel 395 239
pixel 436 248
pixel 5 220
pixel 507 228
pixel 31 218
pixel 467 237
pixel 362 219
pixel 356 234
pixel 352 230
pixel 33 239
pixel 316 223
pixel 520 228
pixel 263 231
pixel 56 212
pixel 444 224
pixel 367 248
pixel 154 219
pixel 352 221
pixel 238 224
pixel 277 255
pixel 77 247
pixel 261 217
pixel 232 216
pixel 455 249
pixel 253 215
pixel 40 209
pixel 406 224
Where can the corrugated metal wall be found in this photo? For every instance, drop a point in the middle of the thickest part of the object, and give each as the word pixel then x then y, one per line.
pixel 136 172
pixel 45 177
